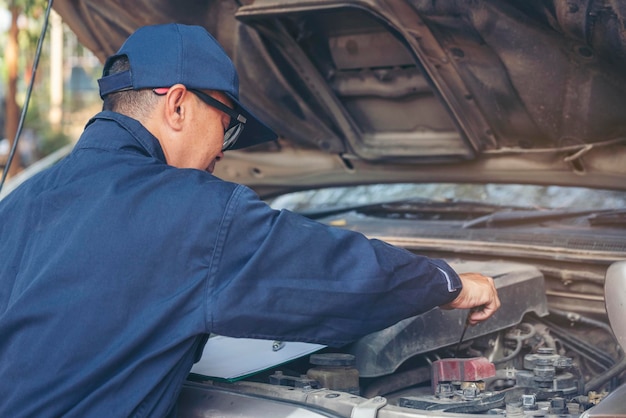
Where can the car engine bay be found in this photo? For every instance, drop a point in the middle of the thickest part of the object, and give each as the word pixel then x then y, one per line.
pixel 530 359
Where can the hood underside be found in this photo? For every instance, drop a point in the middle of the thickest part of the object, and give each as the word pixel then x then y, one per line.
pixel 409 90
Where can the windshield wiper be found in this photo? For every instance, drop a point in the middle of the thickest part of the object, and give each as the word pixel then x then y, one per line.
pixel 490 215
pixel 408 207
pixel 521 217
pixel 613 217
pixel 336 210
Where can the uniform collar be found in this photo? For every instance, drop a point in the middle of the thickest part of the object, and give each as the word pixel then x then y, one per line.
pixel 101 133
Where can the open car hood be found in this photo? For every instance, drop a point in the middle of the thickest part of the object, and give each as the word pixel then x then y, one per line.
pixel 409 90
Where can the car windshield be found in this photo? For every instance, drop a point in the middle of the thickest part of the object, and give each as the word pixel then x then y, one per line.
pixel 507 195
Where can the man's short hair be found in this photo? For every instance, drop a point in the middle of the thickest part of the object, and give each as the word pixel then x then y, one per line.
pixel 134 103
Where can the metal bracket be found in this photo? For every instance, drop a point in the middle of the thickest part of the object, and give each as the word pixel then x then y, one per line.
pixel 369 408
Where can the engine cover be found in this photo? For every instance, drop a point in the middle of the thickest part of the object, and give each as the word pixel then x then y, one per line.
pixel 520 288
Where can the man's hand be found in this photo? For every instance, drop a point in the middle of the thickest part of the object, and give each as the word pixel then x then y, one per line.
pixel 478 292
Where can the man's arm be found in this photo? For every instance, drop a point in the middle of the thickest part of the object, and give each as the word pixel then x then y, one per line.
pixel 278 275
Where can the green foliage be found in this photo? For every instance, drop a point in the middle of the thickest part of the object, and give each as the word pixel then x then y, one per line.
pixel 52 141
pixel 37 124
pixel 48 139
pixel 32 8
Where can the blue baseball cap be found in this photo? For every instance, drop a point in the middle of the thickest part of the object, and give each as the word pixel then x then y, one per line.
pixel 164 55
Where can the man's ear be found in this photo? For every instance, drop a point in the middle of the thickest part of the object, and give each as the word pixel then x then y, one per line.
pixel 175 107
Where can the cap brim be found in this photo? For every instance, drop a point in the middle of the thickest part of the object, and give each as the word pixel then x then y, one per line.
pixel 255 132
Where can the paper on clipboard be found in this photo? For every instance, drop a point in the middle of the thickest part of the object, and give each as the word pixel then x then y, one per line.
pixel 235 358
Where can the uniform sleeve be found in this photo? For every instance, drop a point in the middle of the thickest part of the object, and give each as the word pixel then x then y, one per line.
pixel 278 275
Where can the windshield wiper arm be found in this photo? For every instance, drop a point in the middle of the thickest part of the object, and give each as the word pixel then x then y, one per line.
pixel 613 217
pixel 520 217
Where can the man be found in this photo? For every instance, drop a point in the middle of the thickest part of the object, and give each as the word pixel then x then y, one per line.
pixel 120 260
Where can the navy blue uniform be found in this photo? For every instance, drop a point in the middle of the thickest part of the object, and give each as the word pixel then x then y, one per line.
pixel 116 266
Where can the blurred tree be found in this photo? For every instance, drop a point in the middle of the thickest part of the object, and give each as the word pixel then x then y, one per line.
pixel 17 9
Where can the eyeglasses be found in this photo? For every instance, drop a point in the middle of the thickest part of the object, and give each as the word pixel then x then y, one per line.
pixel 237 120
